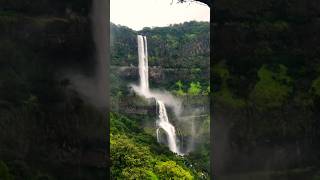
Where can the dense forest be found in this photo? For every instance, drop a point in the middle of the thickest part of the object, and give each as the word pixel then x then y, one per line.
pixel 266 89
pixel 179 64
pixel 174 51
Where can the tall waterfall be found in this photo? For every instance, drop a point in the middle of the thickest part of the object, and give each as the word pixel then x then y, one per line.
pixel 143 64
pixel 163 120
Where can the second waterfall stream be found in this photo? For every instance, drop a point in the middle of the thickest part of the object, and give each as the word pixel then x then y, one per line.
pixel 143 89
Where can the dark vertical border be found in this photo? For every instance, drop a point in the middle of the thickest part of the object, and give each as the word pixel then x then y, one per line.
pixel 108 97
pixel 211 92
pixel 108 92
pixel 101 29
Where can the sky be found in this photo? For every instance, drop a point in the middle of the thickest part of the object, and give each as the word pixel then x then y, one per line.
pixel 137 14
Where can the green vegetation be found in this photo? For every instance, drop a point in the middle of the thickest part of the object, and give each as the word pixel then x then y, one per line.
pixel 47 129
pixel 266 88
pixel 178 52
pixel 170 170
pixel 179 63
pixel 137 155
pixel 273 88
pixel 180 91
pixel 194 89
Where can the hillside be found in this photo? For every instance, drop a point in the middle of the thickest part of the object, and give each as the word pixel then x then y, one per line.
pixel 178 63
pixel 174 51
pixel 137 155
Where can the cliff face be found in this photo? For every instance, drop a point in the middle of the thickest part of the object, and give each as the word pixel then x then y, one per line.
pixel 174 52
pixel 262 122
pixel 157 74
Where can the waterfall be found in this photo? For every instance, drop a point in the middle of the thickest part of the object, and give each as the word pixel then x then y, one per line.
pixel 163 120
pixel 143 64
pixel 163 123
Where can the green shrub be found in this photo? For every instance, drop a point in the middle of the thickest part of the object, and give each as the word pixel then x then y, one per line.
pixel 170 170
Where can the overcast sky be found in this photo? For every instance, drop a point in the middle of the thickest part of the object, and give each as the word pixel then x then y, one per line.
pixel 137 14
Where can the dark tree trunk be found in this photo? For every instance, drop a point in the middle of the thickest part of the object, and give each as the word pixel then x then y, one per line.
pixel 207 2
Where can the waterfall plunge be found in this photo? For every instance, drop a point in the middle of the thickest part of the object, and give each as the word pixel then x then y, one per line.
pixel 143 64
pixel 163 121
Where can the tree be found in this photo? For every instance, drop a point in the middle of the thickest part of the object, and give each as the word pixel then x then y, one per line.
pixel 138 173
pixel 194 89
pixel 180 91
pixel 170 170
pixel 125 153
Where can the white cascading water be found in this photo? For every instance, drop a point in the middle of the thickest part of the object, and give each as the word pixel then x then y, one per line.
pixel 143 64
pixel 163 121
